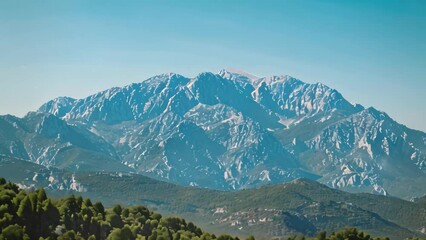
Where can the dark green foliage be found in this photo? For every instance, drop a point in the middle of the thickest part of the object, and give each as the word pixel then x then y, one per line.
pixel 13 232
pixel 321 235
pixel 99 208
pixel 174 223
pixel 70 235
pixel 224 237
pixel 345 234
pixel 114 220
pixel 121 234
pixel 35 216
pixel 117 209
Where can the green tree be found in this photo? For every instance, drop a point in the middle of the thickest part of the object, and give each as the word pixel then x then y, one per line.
pixel 117 209
pixel 99 208
pixel 25 210
pixel 121 234
pixel 41 195
pixel 115 220
pixel 14 232
pixel 88 203
pixel 225 237
pixel 50 216
pixel 321 235
pixel 70 235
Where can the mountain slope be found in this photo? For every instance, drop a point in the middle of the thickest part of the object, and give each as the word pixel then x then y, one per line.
pixel 367 150
pixel 47 140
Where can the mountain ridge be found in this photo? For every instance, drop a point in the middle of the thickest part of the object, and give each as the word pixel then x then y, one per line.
pixel 234 130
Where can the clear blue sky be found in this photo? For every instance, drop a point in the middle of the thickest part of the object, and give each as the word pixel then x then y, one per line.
pixel 373 52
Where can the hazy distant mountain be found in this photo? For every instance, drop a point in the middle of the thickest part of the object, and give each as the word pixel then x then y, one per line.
pixel 233 130
pixel 49 141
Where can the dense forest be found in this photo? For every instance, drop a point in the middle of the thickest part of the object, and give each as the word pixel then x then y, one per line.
pixel 33 215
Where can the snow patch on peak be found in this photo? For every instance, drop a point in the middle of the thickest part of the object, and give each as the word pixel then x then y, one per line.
pixel 363 143
pixel 227 175
pixel 280 79
pixel 232 73
pixel 264 176
pixel 59 106
pixel 379 190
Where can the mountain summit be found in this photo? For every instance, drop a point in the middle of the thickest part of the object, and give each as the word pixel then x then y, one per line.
pixel 234 130
pixel 232 73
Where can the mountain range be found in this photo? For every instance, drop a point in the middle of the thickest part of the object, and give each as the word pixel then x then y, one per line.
pixel 225 131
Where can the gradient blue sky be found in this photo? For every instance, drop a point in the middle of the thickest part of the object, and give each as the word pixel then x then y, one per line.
pixel 373 52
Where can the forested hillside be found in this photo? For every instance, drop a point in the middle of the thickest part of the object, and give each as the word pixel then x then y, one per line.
pixel 33 215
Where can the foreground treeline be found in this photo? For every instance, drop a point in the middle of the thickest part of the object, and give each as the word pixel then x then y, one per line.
pixel 346 234
pixel 35 216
